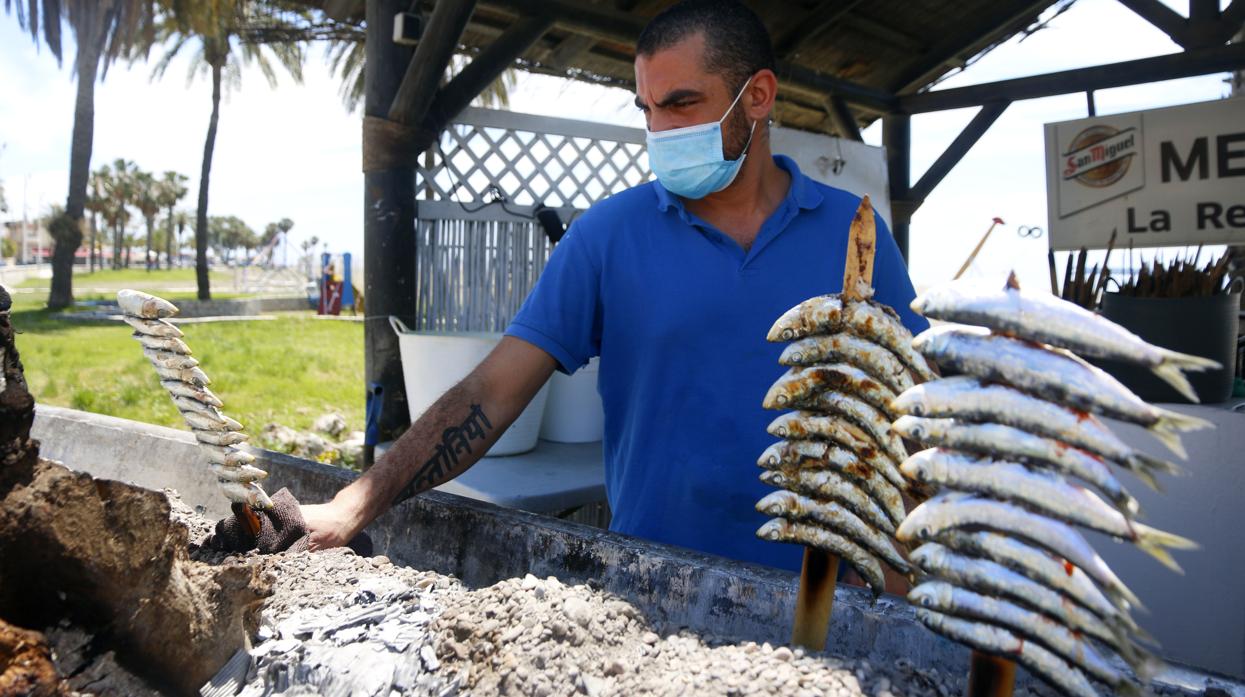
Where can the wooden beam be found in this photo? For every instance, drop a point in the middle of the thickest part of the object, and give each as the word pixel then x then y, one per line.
pixel 897 139
pixel 957 150
pixel 1203 61
pixel 440 39
pixel 843 119
pixel 388 225
pixel 570 50
pixel 1161 16
pixel 997 18
pixel 809 26
pixel 901 40
pixel 607 24
pixel 457 94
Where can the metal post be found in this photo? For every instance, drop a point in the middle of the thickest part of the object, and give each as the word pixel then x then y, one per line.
pixel 897 138
pixel 388 226
pixel 1089 103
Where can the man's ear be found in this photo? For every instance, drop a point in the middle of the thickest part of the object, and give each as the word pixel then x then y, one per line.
pixel 760 95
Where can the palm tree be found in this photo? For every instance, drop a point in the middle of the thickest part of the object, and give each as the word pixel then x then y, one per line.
pixel 97 203
pixel 171 188
pixel 121 193
pixel 148 202
pixel 179 219
pixel 103 30
pixel 215 27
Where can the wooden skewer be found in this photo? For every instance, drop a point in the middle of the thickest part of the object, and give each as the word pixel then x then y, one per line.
pixel 818 576
pixel 990 676
pixel 973 255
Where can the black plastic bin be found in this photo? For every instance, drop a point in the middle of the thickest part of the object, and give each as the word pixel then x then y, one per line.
pixel 1202 326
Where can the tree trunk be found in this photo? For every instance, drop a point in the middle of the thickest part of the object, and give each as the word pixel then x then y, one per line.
pixel 201 232
pixel 151 224
pixel 168 242
pixel 70 236
pixel 94 233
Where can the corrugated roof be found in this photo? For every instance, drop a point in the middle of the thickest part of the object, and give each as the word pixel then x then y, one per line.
pixel 886 47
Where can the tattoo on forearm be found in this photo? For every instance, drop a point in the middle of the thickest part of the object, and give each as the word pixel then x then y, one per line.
pixel 455 440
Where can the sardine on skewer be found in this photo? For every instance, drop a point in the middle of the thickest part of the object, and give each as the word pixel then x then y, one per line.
pixel 829 314
pixel 139 304
pixel 153 327
pixel 187 384
pixel 1053 375
pixel 1015 444
pixel 782 530
pixel 167 359
pixel 799 384
pixel 189 391
pixel 989 577
pixel 837 519
pixel 190 376
pixel 220 437
pixel 828 484
pixel 821 455
pixel 163 343
pixel 969 399
pixel 849 348
pixel 1040 566
pixel 956 511
pixel 998 641
pixel 803 425
pixel 862 414
pixel 1043 492
pixel 943 597
pixel 1047 319
pixel 818 476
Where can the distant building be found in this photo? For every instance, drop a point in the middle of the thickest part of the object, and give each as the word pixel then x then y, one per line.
pixel 32 240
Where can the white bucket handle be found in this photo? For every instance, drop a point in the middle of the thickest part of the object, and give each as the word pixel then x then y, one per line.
pixel 398 327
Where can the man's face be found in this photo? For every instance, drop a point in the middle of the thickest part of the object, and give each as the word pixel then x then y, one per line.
pixel 674 90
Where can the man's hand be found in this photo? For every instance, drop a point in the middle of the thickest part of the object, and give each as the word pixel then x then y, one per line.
pixel 328 524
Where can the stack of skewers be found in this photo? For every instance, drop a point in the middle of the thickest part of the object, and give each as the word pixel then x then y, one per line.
pixel 840 489
pixel 187 384
pixel 1019 459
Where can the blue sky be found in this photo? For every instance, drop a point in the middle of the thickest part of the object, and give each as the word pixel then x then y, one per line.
pixel 294 151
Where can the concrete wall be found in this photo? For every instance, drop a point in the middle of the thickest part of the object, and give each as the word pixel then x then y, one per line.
pixel 1199 617
pixel 241 306
pixel 482 544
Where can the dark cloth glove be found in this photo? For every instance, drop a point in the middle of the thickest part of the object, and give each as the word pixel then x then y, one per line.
pixel 281 528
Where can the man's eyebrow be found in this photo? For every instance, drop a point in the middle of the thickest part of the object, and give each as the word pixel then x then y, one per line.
pixel 672 97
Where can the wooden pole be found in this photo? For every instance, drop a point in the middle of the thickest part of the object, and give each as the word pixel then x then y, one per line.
pixel 969 261
pixel 990 676
pixel 815 601
pixel 819 574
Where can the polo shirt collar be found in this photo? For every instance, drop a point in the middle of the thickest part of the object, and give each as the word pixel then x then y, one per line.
pixel 802 191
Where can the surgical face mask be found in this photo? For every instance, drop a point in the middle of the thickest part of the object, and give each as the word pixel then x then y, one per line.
pixel 690 162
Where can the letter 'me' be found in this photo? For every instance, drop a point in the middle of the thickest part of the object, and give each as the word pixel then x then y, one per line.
pixel 1199 156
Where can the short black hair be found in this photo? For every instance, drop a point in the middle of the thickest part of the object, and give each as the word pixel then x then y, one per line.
pixel 737 44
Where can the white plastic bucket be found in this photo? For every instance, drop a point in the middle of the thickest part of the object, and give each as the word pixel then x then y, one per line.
pixel 433 362
pixel 574 413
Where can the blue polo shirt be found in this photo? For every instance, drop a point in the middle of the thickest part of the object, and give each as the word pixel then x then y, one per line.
pixel 678 313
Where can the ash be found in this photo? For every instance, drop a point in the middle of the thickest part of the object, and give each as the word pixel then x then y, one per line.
pixel 338 624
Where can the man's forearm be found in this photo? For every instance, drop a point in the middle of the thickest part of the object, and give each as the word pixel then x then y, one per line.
pixel 444 442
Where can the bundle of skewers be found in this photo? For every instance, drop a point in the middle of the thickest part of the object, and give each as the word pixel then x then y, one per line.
pixel 187 385
pixel 840 489
pixel 1019 460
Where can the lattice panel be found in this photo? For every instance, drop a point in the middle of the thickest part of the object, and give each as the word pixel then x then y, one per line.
pixel 531 160
pixel 474 275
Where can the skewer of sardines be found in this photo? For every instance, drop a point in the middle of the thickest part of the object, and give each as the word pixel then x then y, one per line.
pixel 837 467
pixel 187 384
pixel 1019 460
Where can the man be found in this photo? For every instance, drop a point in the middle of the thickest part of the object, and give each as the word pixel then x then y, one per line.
pixel 674 284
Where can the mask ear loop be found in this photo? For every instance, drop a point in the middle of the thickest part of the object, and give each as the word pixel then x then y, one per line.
pixel 729 109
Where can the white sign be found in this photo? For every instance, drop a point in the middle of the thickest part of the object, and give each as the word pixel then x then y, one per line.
pixel 1158 178
pixel 844 164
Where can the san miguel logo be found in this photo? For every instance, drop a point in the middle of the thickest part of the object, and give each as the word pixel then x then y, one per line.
pixel 1099 156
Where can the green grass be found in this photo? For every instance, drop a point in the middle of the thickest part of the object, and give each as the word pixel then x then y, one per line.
pixel 289 370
